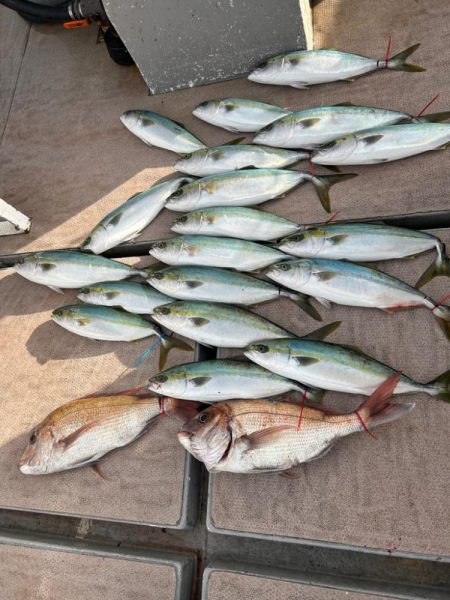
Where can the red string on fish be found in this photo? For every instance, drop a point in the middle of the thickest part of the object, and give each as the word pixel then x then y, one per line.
pixel 364 426
pixel 333 216
pixel 311 167
pixel 441 302
pixel 428 105
pixel 162 406
pixel 301 411
pixel 388 51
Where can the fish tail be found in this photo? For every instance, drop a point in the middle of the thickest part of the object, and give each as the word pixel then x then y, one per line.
pixel 398 61
pixel 378 408
pixel 167 344
pixel 440 267
pixel 440 387
pixel 184 409
pixel 305 303
pixel 442 314
pixel 433 117
pixel 323 183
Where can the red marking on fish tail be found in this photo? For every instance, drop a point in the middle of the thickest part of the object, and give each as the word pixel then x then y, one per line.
pixel 333 216
pixel 311 167
pixel 364 426
pixel 162 406
pixel 441 302
pixel 428 105
pixel 301 411
pixel 388 50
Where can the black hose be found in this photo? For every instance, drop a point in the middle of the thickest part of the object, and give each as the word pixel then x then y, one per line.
pixel 59 12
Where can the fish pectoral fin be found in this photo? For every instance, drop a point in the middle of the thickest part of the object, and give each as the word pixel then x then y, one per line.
pixel 344 104
pixel 322 332
pixel 337 239
pixel 305 361
pixel 199 381
pixel 97 469
pixel 199 321
pixel 55 289
pixel 310 122
pixel 325 275
pixel 264 437
pixel 234 142
pixel 193 284
pixel 352 348
pixel 115 219
pixel 47 266
pixel 66 442
pixel 372 139
pixel 323 301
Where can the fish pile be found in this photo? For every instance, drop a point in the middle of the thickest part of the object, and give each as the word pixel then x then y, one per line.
pixel 263 414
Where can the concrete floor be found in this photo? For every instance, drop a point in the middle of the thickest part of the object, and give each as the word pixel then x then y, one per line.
pixel 65 161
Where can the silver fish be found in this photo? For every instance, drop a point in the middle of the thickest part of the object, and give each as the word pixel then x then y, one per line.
pixel 238 114
pixel 235 221
pixel 218 159
pixel 337 368
pixel 353 285
pixel 132 296
pixel 316 126
pixel 217 380
pixel 215 252
pixel 70 269
pixel 222 325
pixel 210 284
pixel 113 325
pixel 156 130
pixel 303 68
pixel 366 242
pixel 129 219
pixel 249 187
pixel 383 144
pixel 258 436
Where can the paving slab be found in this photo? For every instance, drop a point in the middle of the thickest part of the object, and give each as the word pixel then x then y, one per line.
pixel 388 495
pixel 37 573
pixel 222 584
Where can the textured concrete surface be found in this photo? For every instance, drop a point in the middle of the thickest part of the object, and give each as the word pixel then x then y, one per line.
pixel 37 574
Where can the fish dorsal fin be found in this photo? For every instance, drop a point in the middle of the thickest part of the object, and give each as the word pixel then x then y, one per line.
pixel 234 142
pixel 344 104
pixel 134 195
pixel 179 124
pixel 322 332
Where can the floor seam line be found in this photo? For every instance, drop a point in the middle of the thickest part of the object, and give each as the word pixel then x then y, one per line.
pixel 15 85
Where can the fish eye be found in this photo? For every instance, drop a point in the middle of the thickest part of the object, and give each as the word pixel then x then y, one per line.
pixel 33 438
pixel 188 155
pixel 164 310
pixel 268 127
pixel 262 348
pixel 203 104
pixel 182 219
pixel 203 417
pixel 283 267
pixel 161 245
pixel 157 276
pixel 178 193
pixel 297 238
pixel 263 65
pixel 160 378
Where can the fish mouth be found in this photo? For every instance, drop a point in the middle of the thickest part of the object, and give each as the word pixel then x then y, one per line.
pixel 129 119
pixel 27 469
pixel 184 437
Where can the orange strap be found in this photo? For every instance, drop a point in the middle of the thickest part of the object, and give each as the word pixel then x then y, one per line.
pixel 75 24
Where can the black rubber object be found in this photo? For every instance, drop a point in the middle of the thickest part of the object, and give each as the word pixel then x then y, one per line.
pixel 40 12
pixel 116 48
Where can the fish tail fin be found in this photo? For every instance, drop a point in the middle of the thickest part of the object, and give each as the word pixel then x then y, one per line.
pixel 398 61
pixel 441 387
pixel 184 409
pixel 323 183
pixel 441 266
pixel 305 303
pixel 168 344
pixel 433 117
pixel 442 314
pixel 378 408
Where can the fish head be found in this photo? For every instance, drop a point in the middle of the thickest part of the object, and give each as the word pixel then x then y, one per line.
pixel 167 281
pixel 208 436
pixel 70 317
pixel 336 151
pixel 276 133
pixel 134 120
pixel 167 251
pixel 293 273
pixel 185 197
pixel 192 162
pixel 189 224
pixel 171 315
pixel 37 457
pixel 268 353
pixel 98 294
pixel 97 241
pixel 270 70
pixel 171 384
pixel 32 265
pixel 306 243
pixel 207 109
